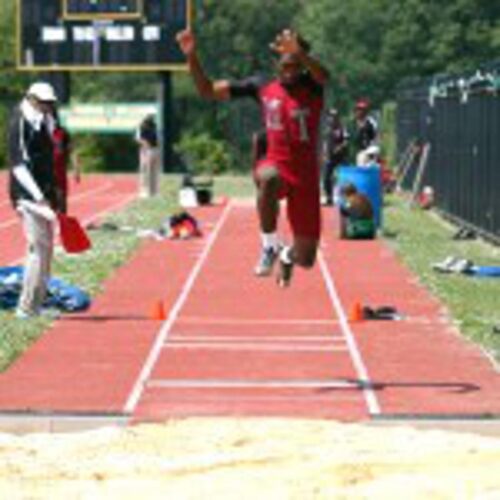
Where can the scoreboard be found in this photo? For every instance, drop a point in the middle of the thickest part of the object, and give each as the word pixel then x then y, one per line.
pixel 90 9
pixel 101 35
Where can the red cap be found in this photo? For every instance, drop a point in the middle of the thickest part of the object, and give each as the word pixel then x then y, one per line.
pixel 362 104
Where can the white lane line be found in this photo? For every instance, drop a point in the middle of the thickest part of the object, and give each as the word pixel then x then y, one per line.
pixel 161 338
pixel 362 373
pixel 90 192
pixel 4 203
pixel 257 384
pixel 112 208
pixel 261 339
pixel 14 220
pixel 269 397
pixel 247 321
pixel 89 219
pixel 229 346
pixel 8 223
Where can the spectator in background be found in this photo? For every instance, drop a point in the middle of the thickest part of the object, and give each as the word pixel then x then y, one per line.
pixel 63 160
pixel 335 151
pixel 357 216
pixel 149 158
pixel 32 188
pixel 364 134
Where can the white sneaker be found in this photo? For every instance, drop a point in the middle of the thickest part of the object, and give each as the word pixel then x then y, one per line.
pixel 266 262
pixel 22 314
pixel 44 312
pixel 461 265
pixel 446 266
pixel 285 272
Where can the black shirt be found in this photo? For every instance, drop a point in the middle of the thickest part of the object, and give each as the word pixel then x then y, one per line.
pixel 364 134
pixel 148 133
pixel 32 148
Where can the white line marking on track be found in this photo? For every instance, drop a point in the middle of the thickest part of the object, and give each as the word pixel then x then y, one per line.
pixel 105 187
pixel 88 220
pixel 8 223
pixel 368 392
pixel 261 339
pixel 229 346
pixel 112 208
pixel 269 397
pixel 259 384
pixel 98 189
pixel 249 321
pixel 4 203
pixel 157 347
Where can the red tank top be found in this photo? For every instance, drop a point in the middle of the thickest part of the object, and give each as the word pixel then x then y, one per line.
pixel 292 119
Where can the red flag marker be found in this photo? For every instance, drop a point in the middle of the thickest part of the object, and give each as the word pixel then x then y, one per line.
pixel 73 237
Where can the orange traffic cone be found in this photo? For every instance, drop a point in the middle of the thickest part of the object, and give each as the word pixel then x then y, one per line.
pixel 158 311
pixel 356 313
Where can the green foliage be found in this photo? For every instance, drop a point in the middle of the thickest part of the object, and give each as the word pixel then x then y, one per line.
pixel 234 36
pixel 108 153
pixel 388 132
pixel 203 154
pixel 115 87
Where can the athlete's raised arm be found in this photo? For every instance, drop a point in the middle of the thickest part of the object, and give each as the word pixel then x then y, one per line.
pixel 209 89
pixel 289 42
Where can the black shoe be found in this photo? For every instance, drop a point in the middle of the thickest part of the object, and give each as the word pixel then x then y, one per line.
pixel 464 233
pixel 382 313
pixel 266 261
pixel 285 273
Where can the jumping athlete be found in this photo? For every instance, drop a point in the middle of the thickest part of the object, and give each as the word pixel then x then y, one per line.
pixel 291 107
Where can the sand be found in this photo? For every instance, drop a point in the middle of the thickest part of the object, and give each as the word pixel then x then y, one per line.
pixel 250 459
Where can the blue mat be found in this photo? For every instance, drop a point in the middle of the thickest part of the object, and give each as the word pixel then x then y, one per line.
pixel 60 295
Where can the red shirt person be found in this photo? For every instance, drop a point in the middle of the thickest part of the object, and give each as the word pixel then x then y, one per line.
pixel 291 108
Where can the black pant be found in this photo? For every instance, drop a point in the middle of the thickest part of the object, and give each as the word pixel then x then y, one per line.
pixel 328 178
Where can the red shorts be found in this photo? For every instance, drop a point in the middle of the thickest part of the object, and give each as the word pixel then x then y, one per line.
pixel 302 201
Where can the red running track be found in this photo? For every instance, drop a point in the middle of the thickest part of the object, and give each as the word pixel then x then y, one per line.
pixel 233 344
pixel 94 196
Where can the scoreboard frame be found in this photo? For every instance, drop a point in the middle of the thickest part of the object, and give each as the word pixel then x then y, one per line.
pixel 66 14
pixel 102 18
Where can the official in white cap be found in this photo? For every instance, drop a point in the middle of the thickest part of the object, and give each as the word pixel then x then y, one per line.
pixel 42 91
pixel 32 190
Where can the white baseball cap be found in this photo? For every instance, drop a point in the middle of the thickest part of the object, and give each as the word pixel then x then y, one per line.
pixel 373 150
pixel 43 91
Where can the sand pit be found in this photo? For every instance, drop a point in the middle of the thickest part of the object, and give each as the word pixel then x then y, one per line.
pixel 250 459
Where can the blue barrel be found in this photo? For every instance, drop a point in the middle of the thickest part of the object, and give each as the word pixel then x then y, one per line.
pixel 367 181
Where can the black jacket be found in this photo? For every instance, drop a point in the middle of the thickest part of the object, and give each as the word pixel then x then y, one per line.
pixel 364 135
pixel 148 132
pixel 31 145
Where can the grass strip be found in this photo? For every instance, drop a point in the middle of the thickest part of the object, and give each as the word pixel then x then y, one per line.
pixel 422 238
